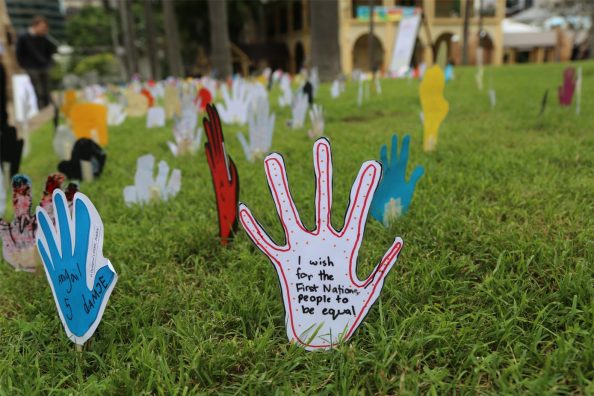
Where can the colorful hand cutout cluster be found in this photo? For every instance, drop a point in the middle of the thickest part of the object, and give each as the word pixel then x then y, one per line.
pixel 71 249
pixel 394 194
pixel 435 107
pixel 325 301
pixel 224 175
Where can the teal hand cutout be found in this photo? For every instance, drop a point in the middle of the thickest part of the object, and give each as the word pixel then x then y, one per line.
pixel 80 277
pixel 394 194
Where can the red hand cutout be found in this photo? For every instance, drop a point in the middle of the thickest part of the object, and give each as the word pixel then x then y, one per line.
pixel 224 175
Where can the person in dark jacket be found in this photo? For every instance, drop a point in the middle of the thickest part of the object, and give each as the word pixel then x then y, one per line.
pixel 34 53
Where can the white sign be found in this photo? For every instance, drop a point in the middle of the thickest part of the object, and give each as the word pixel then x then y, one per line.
pixel 405 44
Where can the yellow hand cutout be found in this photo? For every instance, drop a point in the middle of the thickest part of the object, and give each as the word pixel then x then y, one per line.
pixel 435 107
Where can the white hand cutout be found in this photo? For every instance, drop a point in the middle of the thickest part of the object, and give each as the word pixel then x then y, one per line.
pixel 286 94
pixel 235 108
pixel 324 299
pixel 146 188
pixel 187 137
pixel 316 115
pixel 299 110
pixel 261 128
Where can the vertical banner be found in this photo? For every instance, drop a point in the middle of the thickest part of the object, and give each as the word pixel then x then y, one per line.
pixel 405 44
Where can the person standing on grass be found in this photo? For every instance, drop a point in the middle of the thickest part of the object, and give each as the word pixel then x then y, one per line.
pixel 34 53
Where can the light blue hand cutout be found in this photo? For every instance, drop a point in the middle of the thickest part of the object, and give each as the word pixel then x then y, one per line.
pixel 80 277
pixel 394 194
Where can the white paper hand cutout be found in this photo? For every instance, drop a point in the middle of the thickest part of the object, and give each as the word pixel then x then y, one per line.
pixel 316 115
pixel 155 117
pixel 146 188
pixel 63 142
pixel 324 299
pixel 115 114
pixel 299 110
pixel 187 137
pixel 261 128
pixel 286 97
pixel 235 108
pixel 335 89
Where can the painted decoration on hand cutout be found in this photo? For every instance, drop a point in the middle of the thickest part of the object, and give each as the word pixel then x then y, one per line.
pixel 224 175
pixel 89 120
pixel 325 301
pixel 71 249
pixel 18 236
pixel 435 107
pixel 394 194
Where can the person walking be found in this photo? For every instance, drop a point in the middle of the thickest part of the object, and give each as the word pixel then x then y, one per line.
pixel 34 54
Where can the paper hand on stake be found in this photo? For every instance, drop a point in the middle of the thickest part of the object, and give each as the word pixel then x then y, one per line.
pixel 80 277
pixel 54 182
pixel 235 109
pixel 63 142
pixel 187 138
pixel 567 89
pixel 286 96
pixel 394 194
pixel 69 100
pixel 172 101
pixel 261 128
pixel 89 120
pixel 335 89
pixel 146 188
pixel 115 114
pixel 18 236
pixel 324 299
pixel 299 110
pixel 224 175
pixel 316 115
pixel 137 103
pixel 155 117
pixel 435 107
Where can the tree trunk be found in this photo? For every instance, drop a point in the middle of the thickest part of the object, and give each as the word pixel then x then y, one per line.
pixel 172 40
pixel 591 40
pixel 465 33
pixel 127 21
pixel 219 38
pixel 151 37
pixel 325 51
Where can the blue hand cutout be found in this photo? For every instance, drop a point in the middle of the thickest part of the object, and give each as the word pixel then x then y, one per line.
pixel 80 277
pixel 394 194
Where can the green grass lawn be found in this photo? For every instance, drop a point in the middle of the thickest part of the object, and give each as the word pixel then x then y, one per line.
pixel 492 293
